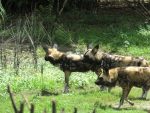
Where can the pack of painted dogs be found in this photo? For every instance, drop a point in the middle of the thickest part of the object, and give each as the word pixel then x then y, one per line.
pixel 111 70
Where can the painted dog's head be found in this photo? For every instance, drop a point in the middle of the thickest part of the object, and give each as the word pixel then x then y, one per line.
pixel 108 80
pixel 52 54
pixel 92 55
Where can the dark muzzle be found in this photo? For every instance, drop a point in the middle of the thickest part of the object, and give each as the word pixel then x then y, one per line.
pixel 52 60
pixel 46 59
pixel 87 59
pixel 100 81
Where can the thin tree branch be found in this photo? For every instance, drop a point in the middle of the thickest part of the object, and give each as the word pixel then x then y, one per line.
pixel 26 101
pixel 12 99
pixel 61 10
pixel 21 107
pixel 94 110
pixel 63 110
pixel 32 108
pixel 53 106
pixel 75 110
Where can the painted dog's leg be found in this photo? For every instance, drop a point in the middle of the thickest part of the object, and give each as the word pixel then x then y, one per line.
pixel 144 93
pixel 66 86
pixel 126 96
pixel 125 92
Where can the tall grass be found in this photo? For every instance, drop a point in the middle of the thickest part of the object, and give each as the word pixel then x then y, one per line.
pixel 2 12
pixel 108 29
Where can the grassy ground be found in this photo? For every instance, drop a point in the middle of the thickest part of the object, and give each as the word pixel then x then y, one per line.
pixel 84 94
pixel 84 99
pixel 118 32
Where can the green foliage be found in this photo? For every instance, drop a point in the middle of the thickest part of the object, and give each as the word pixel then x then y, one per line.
pixel 63 36
pixel 25 28
pixel 80 27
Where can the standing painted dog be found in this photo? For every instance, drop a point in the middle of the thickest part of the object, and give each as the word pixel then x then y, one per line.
pixel 107 61
pixel 126 78
pixel 68 63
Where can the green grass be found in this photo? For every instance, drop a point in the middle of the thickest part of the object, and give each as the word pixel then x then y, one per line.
pixel 84 94
pixel 115 31
pixel 85 101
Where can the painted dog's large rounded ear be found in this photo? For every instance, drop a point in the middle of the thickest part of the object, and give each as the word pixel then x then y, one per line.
pixel 55 46
pixel 95 49
pixel 45 48
pixel 89 46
